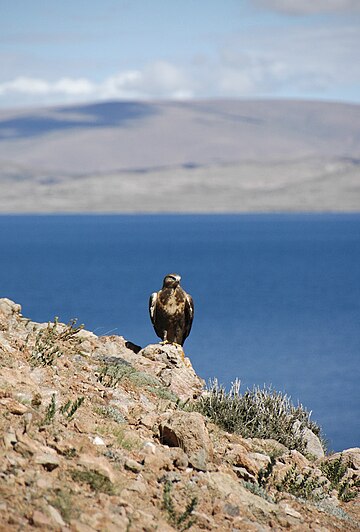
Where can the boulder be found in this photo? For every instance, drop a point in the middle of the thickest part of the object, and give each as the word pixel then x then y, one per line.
pixel 313 445
pixel 349 456
pixel 188 431
pixel 8 308
pixel 167 363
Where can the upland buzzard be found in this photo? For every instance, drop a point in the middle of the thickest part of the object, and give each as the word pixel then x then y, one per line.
pixel 171 311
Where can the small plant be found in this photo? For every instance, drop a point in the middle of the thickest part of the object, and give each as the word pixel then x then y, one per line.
pixel 257 490
pixel 258 413
pixel 67 410
pixel 111 374
pixel 63 501
pixel 163 393
pixel 110 412
pixel 181 521
pixel 96 481
pixel 124 439
pixel 70 407
pixel 50 411
pixel 264 474
pixel 334 471
pixel 51 341
pixel 304 486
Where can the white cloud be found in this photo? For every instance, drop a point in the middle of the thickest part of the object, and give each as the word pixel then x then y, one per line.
pixel 157 80
pixel 39 87
pixel 308 7
pixel 297 61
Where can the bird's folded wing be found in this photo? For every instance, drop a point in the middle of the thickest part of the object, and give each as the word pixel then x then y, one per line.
pixel 152 306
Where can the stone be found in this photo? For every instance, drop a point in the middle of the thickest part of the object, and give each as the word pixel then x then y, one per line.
pixel 49 461
pixel 98 441
pixel 149 447
pixel 25 445
pixel 295 457
pixel 349 456
pixel 55 515
pixel 98 464
pixel 158 461
pixel 242 459
pixel 138 485
pixel 188 431
pixel 40 520
pixel 149 420
pixel 133 465
pixel 9 439
pixel 166 363
pixel 243 473
pixel 289 510
pixel 14 407
pixel 8 308
pixel 313 445
pixel 78 526
pixel 179 457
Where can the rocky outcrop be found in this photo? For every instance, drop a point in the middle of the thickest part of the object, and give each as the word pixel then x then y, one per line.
pixel 97 435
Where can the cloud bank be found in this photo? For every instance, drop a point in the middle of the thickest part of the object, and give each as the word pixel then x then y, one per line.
pixel 158 80
pixel 308 7
pixel 296 61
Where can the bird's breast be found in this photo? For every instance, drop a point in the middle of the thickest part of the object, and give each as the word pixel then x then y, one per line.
pixel 173 302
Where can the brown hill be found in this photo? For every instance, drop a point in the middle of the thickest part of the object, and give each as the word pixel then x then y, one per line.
pixel 214 155
pixel 97 436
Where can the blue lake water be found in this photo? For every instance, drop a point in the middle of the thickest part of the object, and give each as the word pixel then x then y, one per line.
pixel 277 297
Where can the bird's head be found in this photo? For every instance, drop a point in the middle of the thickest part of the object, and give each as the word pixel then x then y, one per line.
pixel 171 280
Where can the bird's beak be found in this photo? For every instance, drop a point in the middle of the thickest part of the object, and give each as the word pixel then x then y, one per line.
pixel 178 278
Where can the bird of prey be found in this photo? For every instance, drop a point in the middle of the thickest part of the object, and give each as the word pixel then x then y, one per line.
pixel 171 311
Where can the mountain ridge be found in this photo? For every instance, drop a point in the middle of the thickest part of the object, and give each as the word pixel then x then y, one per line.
pixel 113 145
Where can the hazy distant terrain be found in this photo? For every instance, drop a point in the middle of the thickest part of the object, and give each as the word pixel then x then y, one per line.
pixel 208 156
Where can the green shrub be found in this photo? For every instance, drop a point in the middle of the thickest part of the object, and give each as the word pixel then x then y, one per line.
pixel 303 485
pixel 70 407
pixel 67 410
pixel 111 374
pixel 258 413
pixel 334 471
pixel 51 342
pixel 257 490
pixel 50 411
pixel 181 521
pixel 96 481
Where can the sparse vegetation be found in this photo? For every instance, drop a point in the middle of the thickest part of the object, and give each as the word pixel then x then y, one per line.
pixel 50 411
pixel 303 485
pixel 63 501
pixel 96 481
pixel 70 407
pixel 265 474
pixel 123 438
pixel 180 521
pixel 51 341
pixel 258 413
pixel 111 374
pixel 257 490
pixel 335 470
pixel 163 393
pixel 67 410
pixel 110 412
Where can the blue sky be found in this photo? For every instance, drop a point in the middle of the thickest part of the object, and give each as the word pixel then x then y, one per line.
pixel 77 51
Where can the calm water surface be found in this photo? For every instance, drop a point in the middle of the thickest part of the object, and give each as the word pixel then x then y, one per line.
pixel 277 296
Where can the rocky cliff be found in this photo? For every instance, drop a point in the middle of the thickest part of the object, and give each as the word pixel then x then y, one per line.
pixel 99 435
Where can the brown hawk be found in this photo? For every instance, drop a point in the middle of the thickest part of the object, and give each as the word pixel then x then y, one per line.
pixel 171 311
